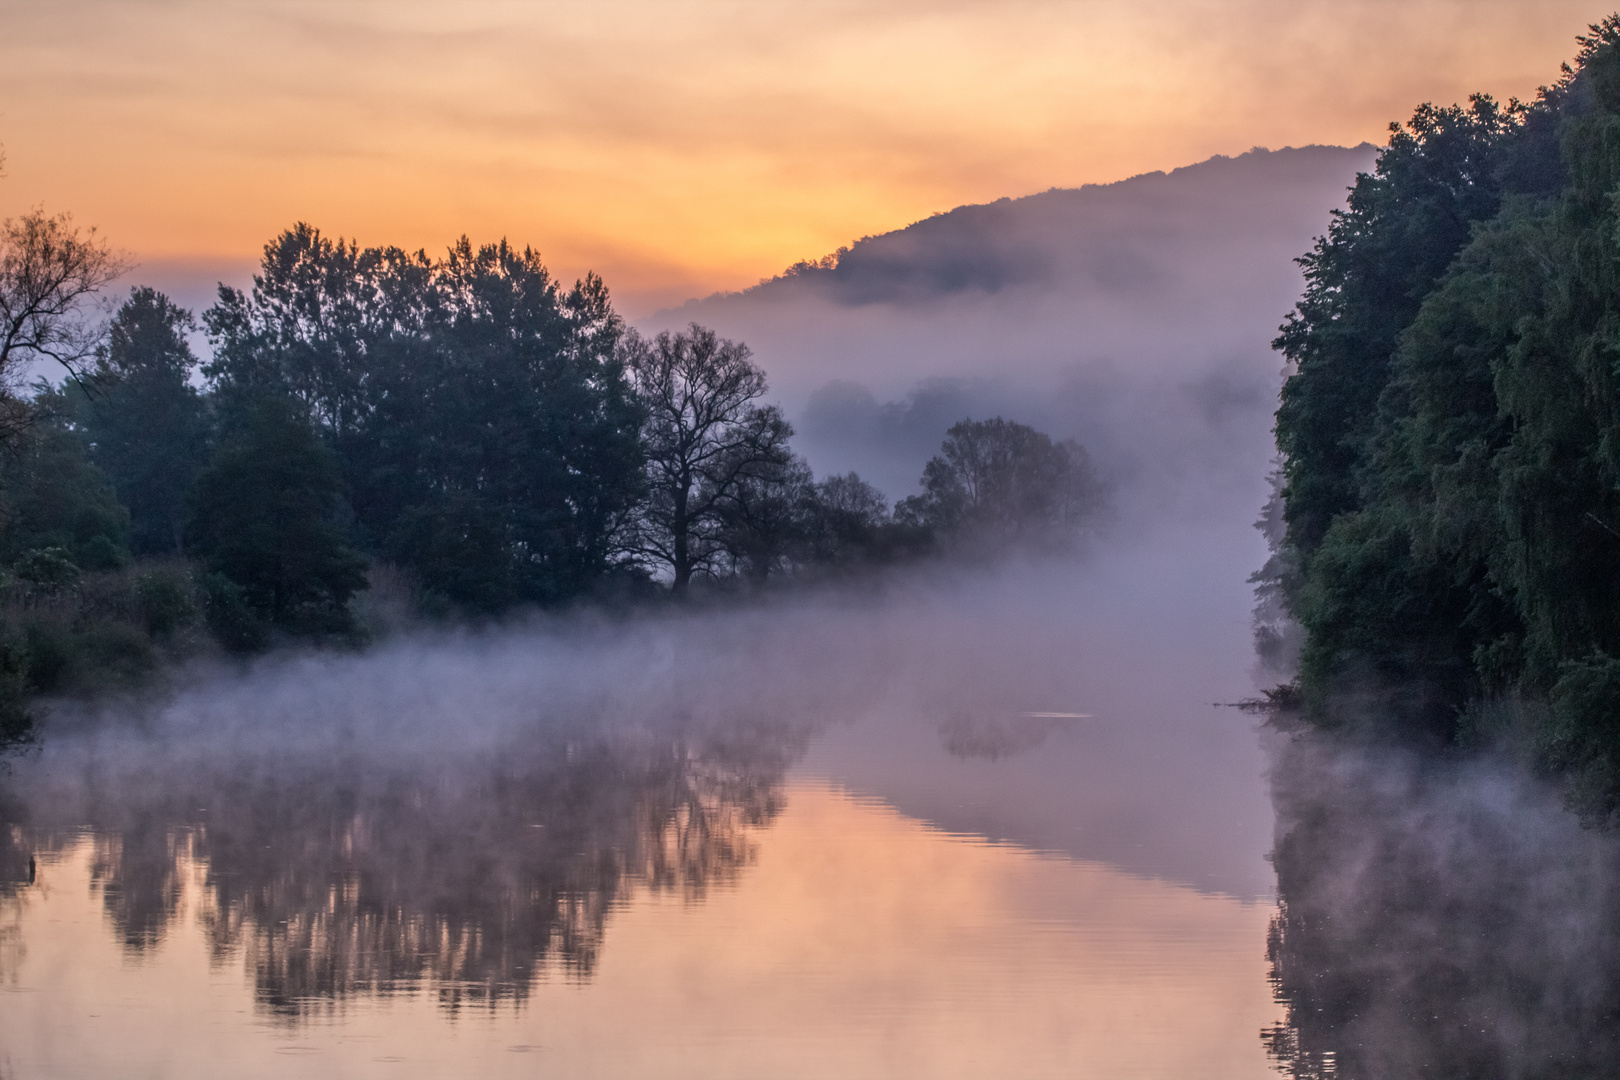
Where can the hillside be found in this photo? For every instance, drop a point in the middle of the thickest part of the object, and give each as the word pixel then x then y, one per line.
pixel 1136 316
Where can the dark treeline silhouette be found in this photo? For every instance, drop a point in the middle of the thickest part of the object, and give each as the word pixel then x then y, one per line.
pixel 463 431
pixel 1451 433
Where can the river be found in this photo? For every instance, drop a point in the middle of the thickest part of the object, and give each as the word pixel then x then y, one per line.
pixel 988 824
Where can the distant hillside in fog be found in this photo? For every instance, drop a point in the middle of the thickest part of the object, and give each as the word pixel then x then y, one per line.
pixel 1135 316
pixel 1127 236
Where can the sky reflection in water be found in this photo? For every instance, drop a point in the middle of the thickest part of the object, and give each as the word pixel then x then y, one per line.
pixel 818 838
pixel 821 838
pixel 859 941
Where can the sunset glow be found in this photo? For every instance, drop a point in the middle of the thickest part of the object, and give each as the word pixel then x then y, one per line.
pixel 682 147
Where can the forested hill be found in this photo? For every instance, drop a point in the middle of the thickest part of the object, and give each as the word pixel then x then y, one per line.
pixel 1452 433
pixel 1112 237
pixel 1135 316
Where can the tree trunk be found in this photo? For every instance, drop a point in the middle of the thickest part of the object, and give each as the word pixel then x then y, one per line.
pixel 679 526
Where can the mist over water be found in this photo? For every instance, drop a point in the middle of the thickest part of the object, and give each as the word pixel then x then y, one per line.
pixel 928 812
pixel 1135 317
pixel 960 821
pixel 1445 918
pixel 477 822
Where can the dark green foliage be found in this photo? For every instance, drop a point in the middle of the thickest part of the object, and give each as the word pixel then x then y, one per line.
pixel 46 570
pixel 147 425
pixel 1365 281
pixel 479 413
pixel 73 633
pixel 1380 617
pixel 1453 446
pixel 264 515
pixel 62 657
pixel 457 547
pixel 998 485
pixel 779 521
pixel 16 722
pixel 166 600
pixel 231 619
pixel 53 496
pixel 1584 735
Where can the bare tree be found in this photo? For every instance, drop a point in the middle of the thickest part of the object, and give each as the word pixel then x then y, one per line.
pixel 705 438
pixel 49 270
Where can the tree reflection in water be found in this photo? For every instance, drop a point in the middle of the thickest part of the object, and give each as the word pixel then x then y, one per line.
pixel 1438 919
pixel 348 874
pixel 17 870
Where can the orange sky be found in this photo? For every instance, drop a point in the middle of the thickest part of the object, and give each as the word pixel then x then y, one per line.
pixel 683 146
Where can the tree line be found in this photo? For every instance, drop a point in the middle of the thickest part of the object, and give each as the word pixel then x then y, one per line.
pixel 1450 433
pixel 491 437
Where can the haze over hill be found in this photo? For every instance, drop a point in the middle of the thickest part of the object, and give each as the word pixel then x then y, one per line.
pixel 1135 316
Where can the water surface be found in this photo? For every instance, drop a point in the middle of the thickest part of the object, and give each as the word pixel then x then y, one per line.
pixel 985 827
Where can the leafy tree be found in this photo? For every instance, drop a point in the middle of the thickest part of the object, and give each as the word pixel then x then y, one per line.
pixel 480 413
pixel 1387 412
pixel 766 523
pixel 849 520
pixel 535 429
pixel 52 495
pixel 1365 281
pixel 705 441
pixel 1474 548
pixel 997 484
pixel 264 517
pixel 148 426
pixel 782 521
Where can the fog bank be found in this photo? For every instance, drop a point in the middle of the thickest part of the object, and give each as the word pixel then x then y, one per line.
pixel 1135 316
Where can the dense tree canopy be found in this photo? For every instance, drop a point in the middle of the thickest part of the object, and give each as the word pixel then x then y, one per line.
pixel 52 495
pixel 264 517
pixel 1452 434
pixel 464 429
pixel 147 424
pixel 480 414
pixel 998 484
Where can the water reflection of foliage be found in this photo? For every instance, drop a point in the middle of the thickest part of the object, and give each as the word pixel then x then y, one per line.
pixel 352 876
pixel 17 871
pixel 1445 920
pixel 992 735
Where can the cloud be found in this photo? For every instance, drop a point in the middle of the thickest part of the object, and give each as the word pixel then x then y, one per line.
pixel 708 141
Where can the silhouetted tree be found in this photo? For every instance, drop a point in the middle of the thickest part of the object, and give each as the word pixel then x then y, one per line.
pixel 49 269
pixel 147 425
pixel 767 521
pixel 53 496
pixel 848 525
pixel 264 516
pixel 997 483
pixel 479 411
pixel 705 438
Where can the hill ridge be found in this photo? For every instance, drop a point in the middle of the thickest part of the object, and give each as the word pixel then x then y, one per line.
pixel 992 275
